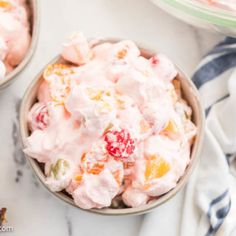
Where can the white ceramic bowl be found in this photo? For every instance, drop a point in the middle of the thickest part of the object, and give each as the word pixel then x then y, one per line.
pixel 190 94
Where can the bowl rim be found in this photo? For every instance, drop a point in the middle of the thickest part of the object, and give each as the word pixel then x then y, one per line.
pixel 215 16
pixel 34 38
pixel 195 154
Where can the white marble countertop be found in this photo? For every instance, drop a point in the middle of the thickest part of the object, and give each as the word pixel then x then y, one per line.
pixel 31 209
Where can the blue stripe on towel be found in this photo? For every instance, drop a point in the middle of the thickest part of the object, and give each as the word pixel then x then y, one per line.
pixel 223 46
pixel 223 212
pixel 227 41
pixel 230 157
pixel 207 110
pixel 219 198
pixel 226 49
pixel 220 215
pixel 225 60
pixel 214 68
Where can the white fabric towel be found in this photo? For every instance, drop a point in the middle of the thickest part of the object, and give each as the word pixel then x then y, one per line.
pixel 207 205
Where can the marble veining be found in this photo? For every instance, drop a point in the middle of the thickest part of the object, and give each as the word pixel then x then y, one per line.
pixel 18 155
pixel 69 225
pixel 21 192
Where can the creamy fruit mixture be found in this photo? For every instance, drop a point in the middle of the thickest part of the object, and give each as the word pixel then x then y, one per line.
pixel 225 4
pixel 110 124
pixel 14 34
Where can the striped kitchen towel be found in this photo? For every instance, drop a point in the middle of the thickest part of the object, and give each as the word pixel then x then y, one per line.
pixel 207 205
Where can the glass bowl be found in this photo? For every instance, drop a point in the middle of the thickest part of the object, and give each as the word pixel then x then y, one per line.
pixel 200 14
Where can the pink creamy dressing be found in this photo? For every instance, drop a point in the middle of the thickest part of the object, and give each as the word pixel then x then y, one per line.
pixel 110 123
pixel 14 34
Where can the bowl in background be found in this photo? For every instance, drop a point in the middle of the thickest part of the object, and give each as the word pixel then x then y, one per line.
pixel 34 20
pixel 201 15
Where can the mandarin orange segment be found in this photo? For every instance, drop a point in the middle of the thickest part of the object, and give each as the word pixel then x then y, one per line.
pixel 162 169
pixel 173 95
pixel 79 178
pixel 177 87
pixel 171 127
pixel 88 164
pixel 5 4
pixel 96 169
pixel 156 168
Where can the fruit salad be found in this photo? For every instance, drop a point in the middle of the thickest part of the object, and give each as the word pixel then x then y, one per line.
pixel 110 126
pixel 14 34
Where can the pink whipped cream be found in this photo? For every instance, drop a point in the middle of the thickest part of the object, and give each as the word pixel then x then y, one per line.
pixel 110 124
pixel 14 34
